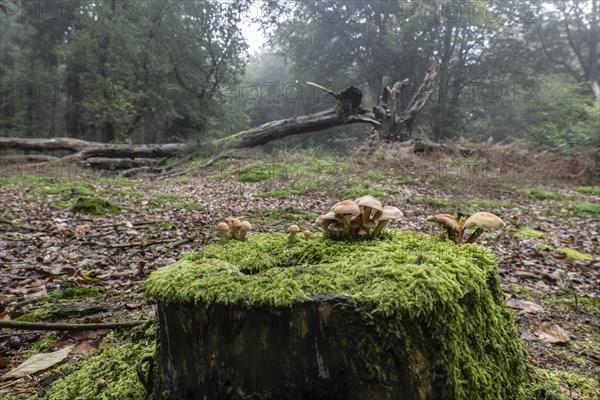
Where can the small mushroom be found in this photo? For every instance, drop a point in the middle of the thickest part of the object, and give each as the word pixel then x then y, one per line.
pixel 223 230
pixel 308 234
pixel 388 213
pixel 449 223
pixel 293 229
pixel 234 227
pixel 347 208
pixel 368 203
pixel 244 228
pixel 484 221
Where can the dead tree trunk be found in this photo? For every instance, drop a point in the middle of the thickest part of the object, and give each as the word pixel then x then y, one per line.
pixel 397 124
pixel 389 120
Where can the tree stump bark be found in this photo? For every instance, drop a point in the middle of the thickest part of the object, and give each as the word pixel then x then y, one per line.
pixel 310 350
pixel 408 317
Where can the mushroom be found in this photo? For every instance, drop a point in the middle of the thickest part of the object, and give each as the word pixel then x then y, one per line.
pixel 223 230
pixel 322 222
pixel 362 233
pixel 329 219
pixel 368 203
pixel 308 234
pixel 484 221
pixel 382 218
pixel 234 226
pixel 449 223
pixel 244 228
pixel 336 229
pixel 293 229
pixel 347 208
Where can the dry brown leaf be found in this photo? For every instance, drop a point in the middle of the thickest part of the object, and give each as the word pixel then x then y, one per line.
pixel 38 363
pixel 552 333
pixel 82 348
pixel 5 361
pixel 524 306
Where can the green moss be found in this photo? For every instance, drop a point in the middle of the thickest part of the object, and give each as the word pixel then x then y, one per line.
pixel 168 197
pixel 71 189
pixel 118 181
pixel 309 170
pixel 571 253
pixel 548 383
pixel 280 193
pixel 489 203
pixel 184 206
pixel 94 206
pixel 593 190
pixel 586 209
pixel 431 201
pixel 357 190
pixel 120 192
pixel 42 346
pixel 29 181
pixel 525 232
pixel 59 304
pixel 374 176
pixel 106 373
pixel 537 194
pixel 574 254
pixel 408 181
pixel 403 283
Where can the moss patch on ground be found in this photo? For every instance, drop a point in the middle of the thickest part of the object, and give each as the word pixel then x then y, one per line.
pixel 591 190
pixel 524 232
pixel 94 206
pixel 537 194
pixel 107 373
pixel 404 282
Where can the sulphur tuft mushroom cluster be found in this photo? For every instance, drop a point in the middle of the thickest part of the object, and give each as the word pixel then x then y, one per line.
pixel 233 229
pixel 361 219
pixel 480 221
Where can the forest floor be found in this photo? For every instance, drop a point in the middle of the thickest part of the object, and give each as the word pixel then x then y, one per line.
pixel 549 252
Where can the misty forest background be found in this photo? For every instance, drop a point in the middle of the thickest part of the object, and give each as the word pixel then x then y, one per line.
pixel 170 71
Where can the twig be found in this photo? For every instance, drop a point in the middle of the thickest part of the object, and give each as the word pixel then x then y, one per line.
pixel 45 326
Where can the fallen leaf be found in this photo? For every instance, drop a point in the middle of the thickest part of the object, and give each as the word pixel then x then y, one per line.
pixel 82 348
pixel 552 333
pixel 38 362
pixel 528 336
pixel 5 361
pixel 524 306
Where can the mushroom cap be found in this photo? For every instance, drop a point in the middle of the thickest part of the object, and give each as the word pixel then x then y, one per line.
pixel 346 207
pixel 320 220
pixel 369 201
pixel 331 216
pixel 445 219
pixel 388 213
pixel 245 226
pixel 294 229
pixel 484 220
pixel 222 227
pixel 308 234
pixel 234 223
pixel 362 232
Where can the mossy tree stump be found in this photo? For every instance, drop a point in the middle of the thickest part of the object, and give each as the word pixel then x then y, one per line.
pixel 405 317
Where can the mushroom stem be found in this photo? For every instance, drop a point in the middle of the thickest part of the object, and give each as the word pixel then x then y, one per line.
pixel 475 235
pixel 223 236
pixel 366 214
pixel 378 229
pixel 291 236
pixel 347 218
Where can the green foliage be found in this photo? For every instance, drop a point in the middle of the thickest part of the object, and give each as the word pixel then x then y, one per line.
pixel 107 373
pixel 280 193
pixel 525 232
pixel 547 385
pixel 592 209
pixel 71 189
pixel 118 181
pixel 563 116
pixel 537 194
pixel 29 181
pixel 490 203
pixel 94 206
pixel 593 190
pixel 402 284
pixel 434 202
pixel 359 189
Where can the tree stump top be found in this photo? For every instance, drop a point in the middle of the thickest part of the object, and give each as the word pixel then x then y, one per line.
pixel 406 288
